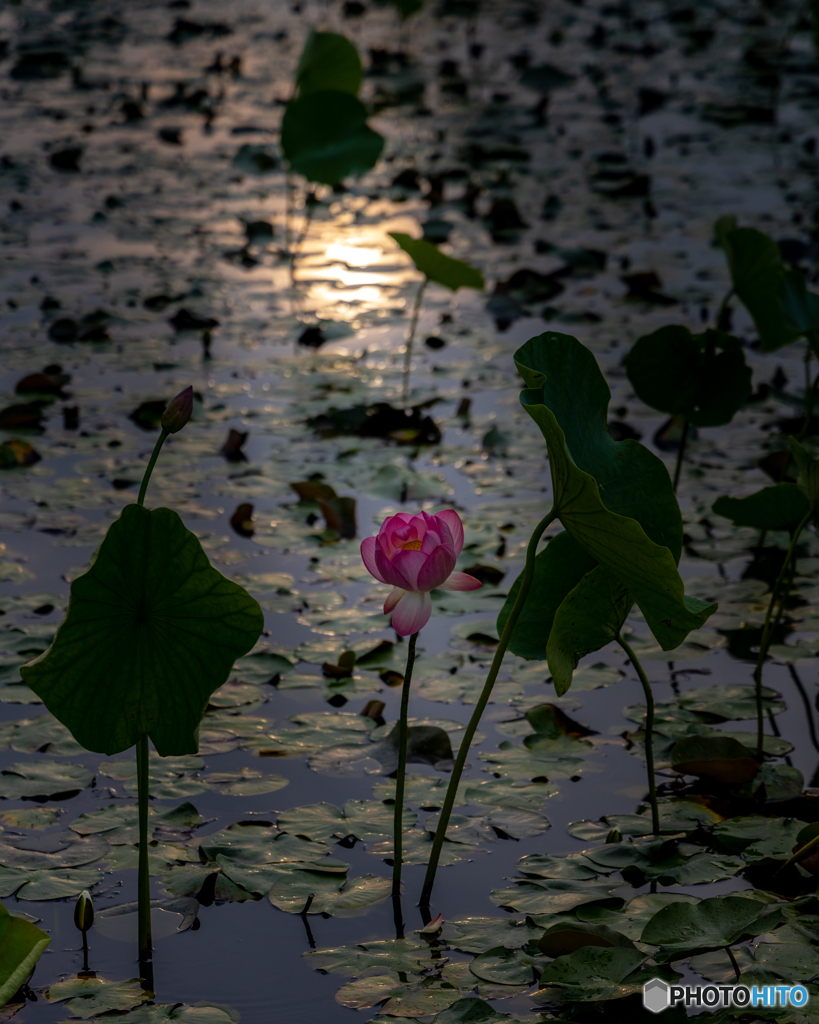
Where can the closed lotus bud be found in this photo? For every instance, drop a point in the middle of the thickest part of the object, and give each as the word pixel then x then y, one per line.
pixel 178 412
pixel 84 911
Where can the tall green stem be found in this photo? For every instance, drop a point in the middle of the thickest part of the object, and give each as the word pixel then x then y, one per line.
pixel 483 700
pixel 681 454
pixel 765 641
pixel 143 487
pixel 398 819
pixel 723 311
pixel 416 309
pixel 144 879
pixel 649 744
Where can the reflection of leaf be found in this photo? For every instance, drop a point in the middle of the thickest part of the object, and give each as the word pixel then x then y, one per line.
pixel 153 625
pixel 721 758
pixel 21 946
pixel 436 266
pixel 684 928
pixel 328 61
pixel 326 138
pixel 331 895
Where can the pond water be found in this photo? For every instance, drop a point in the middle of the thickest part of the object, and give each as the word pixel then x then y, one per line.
pixel 133 159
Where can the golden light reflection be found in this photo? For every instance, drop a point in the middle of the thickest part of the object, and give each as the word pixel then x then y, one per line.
pixel 353 255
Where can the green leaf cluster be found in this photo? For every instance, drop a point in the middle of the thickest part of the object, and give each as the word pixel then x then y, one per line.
pixel 21 946
pixel 325 135
pixel 623 529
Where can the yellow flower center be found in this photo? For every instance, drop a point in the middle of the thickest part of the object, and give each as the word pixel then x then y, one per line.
pixel 412 545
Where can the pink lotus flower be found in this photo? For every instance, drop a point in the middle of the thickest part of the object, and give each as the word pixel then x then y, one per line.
pixel 416 554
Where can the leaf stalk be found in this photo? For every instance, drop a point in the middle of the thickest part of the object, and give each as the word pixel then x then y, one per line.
pixel 398 819
pixel 649 729
pixel 483 700
pixel 143 487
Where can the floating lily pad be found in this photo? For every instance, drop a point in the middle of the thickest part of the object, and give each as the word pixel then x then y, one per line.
pixel 330 895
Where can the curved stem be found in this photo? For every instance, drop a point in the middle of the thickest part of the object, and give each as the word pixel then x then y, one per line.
pixel 765 641
pixel 649 744
pixel 416 309
pixel 483 700
pixel 680 454
pixel 723 310
pixel 143 487
pixel 398 819
pixel 733 960
pixel 144 881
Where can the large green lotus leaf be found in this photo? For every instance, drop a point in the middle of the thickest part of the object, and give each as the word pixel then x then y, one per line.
pixel 331 894
pixel 681 929
pixel 614 498
pixel 558 569
pixel 152 629
pixel 702 377
pixel 328 61
pixel 590 617
pixel 438 267
pixel 21 945
pixel 781 507
pixel 326 138
pixel 756 273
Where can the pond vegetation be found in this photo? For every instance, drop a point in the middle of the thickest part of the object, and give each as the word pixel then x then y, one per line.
pixel 597 549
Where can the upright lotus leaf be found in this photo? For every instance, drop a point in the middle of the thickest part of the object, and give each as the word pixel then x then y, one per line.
pixel 756 272
pixel 590 617
pixel 21 946
pixel 328 62
pixel 781 507
pixel 799 306
pixel 325 137
pixel 636 533
pixel 152 629
pixel 436 266
pixel 702 377
pixel 808 481
pixel 681 929
pixel 559 568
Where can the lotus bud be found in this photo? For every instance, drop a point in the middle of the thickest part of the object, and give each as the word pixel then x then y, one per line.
pixel 84 911
pixel 178 412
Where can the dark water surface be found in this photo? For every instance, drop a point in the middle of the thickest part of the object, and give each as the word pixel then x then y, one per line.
pixel 668 109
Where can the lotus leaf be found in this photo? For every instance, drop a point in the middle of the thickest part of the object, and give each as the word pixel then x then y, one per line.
pixel 154 626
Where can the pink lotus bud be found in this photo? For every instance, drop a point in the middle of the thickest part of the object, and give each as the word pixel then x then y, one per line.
pixel 416 554
pixel 178 412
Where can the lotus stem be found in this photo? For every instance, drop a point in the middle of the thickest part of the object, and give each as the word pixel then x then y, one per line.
pixel 398 820
pixel 733 960
pixel 143 487
pixel 144 878
pixel 723 311
pixel 483 700
pixel 680 454
pixel 765 641
pixel 800 854
pixel 649 742
pixel 416 309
